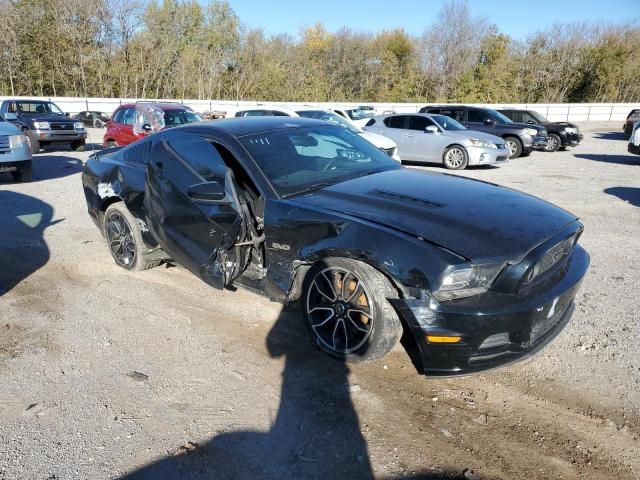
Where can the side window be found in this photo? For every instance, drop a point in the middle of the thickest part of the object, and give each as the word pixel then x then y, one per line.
pixel 276 113
pixel 128 116
pixel 417 122
pixel 455 113
pixel 433 110
pixel 477 116
pixel 371 122
pixel 117 116
pixel 526 118
pixel 199 154
pixel 397 121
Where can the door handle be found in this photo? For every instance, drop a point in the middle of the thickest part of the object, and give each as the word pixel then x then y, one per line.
pixel 408 134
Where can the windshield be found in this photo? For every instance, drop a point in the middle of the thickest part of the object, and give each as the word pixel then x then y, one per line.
pixel 357 114
pixel 35 108
pixel 447 123
pixel 300 160
pixel 329 117
pixel 537 117
pixel 180 117
pixel 498 117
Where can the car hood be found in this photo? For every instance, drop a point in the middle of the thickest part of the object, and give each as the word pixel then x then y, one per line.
pixel 43 117
pixel 475 134
pixel 7 128
pixel 559 124
pixel 515 125
pixel 378 140
pixel 477 220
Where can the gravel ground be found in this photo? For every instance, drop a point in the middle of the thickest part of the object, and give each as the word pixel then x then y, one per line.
pixel 110 374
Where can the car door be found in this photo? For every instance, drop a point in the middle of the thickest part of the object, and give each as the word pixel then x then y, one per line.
pixel 192 207
pixel 420 144
pixel 392 127
pixel 123 124
pixel 476 118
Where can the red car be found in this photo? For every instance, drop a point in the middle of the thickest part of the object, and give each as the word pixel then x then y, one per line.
pixel 133 121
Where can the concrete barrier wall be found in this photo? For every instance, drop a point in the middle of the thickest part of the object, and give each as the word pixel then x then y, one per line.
pixel 577 112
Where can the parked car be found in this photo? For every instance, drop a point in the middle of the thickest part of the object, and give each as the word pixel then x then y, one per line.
pixel 521 138
pixel 632 118
pixel 44 123
pixel 358 116
pixel 477 275
pixel 439 139
pixel 15 152
pixel 92 118
pixel 133 121
pixel 559 134
pixel 634 140
pixel 386 144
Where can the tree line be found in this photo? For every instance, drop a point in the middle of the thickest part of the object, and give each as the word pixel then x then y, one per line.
pixel 189 49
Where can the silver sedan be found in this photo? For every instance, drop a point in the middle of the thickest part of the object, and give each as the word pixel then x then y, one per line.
pixel 439 139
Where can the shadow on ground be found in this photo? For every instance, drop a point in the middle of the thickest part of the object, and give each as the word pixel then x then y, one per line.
pixel 628 194
pixel 23 220
pixel 316 433
pixel 610 135
pixel 606 158
pixel 49 167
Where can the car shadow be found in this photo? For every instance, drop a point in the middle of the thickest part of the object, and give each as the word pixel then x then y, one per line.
pixel 628 194
pixel 606 158
pixel 316 433
pixel 23 220
pixel 49 167
pixel 610 136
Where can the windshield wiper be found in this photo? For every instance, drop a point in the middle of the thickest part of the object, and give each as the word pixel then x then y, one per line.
pixel 310 188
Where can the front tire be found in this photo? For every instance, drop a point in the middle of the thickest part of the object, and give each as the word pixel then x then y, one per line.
pixel 33 141
pixel 345 307
pixel 553 143
pixel 124 239
pixel 515 147
pixel 455 157
pixel 78 145
pixel 24 174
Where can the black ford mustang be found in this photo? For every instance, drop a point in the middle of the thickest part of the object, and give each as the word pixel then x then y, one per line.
pixel 475 275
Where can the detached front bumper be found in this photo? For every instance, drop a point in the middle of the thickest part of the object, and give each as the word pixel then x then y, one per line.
pixel 495 328
pixel 572 139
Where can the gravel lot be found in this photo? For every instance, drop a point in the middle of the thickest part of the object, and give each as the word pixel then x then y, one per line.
pixel 110 374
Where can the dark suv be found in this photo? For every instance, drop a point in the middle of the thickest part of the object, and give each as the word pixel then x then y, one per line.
pixel 44 123
pixel 632 118
pixel 561 134
pixel 521 138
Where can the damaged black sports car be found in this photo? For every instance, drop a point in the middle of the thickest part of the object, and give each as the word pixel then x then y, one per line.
pixel 471 275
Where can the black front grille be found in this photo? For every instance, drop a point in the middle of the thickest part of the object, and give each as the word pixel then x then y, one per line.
pixel 62 126
pixel 554 257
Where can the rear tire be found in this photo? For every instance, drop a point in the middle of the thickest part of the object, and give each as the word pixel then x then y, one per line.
pixel 24 174
pixel 345 307
pixel 455 157
pixel 124 239
pixel 78 145
pixel 515 147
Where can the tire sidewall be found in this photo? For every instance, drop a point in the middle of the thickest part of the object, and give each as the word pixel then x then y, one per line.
pixel 465 161
pixel 386 327
pixel 518 144
pixel 558 142
pixel 122 210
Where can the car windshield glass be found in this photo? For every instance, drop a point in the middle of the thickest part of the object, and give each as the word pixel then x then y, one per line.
pixel 300 160
pixel 357 114
pixel 39 108
pixel 537 117
pixel 180 117
pixel 498 117
pixel 447 123
pixel 328 117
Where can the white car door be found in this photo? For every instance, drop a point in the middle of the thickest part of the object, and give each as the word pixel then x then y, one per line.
pixel 392 127
pixel 421 144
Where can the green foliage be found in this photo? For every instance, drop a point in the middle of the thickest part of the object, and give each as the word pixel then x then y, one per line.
pixel 198 49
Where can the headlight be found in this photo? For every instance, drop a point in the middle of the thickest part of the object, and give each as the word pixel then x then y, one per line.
pixel 466 281
pixel 531 131
pixel 78 125
pixel 16 141
pixel 476 142
pixel 571 130
pixel 41 125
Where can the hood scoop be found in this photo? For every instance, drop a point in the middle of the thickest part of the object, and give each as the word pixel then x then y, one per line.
pixel 414 201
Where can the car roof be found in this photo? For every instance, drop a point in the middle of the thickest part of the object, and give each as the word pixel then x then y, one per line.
pixel 162 105
pixel 242 126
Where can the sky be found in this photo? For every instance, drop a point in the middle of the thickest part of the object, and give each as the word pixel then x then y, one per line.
pixel 516 18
